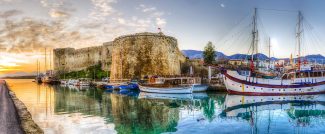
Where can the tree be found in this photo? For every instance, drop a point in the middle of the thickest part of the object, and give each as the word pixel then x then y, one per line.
pixel 209 53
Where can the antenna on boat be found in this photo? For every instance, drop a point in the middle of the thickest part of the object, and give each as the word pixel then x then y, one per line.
pixel 298 37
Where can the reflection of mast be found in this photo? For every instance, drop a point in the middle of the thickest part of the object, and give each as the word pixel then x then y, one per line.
pixel 269 124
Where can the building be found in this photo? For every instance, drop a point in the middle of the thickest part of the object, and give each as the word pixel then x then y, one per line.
pixel 127 57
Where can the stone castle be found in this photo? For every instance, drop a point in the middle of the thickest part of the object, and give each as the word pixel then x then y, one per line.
pixel 127 57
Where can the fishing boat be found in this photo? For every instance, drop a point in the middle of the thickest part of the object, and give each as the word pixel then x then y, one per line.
pixel 166 89
pixel 302 79
pixel 146 95
pixel 129 86
pixel 200 87
pixel 82 82
pixel 50 80
pixel 38 78
pixel 72 81
pixel 167 85
pixel 63 82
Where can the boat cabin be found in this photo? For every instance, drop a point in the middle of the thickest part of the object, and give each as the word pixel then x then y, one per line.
pixel 303 74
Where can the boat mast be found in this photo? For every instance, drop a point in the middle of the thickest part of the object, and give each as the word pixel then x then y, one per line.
pixel 45 61
pixel 269 52
pixel 298 38
pixel 37 68
pixel 254 39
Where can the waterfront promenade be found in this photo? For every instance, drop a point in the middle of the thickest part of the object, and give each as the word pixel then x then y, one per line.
pixel 9 119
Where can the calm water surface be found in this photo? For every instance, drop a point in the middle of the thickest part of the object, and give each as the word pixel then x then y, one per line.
pixel 71 110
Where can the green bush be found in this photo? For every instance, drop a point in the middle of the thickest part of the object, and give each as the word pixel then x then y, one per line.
pixel 91 72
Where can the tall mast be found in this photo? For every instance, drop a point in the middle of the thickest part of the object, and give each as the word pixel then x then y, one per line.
pixel 298 38
pixel 269 52
pixel 45 61
pixel 254 35
pixel 50 60
pixel 37 67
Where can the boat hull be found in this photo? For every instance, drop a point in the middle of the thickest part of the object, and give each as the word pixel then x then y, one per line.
pixel 200 88
pixel 146 95
pixel 171 90
pixel 259 87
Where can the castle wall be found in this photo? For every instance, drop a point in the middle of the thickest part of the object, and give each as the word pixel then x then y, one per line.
pixel 137 55
pixel 70 59
pixel 127 57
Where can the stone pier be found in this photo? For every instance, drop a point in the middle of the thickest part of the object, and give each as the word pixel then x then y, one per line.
pixel 14 116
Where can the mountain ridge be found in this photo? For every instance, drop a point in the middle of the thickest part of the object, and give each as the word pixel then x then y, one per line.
pixel 192 54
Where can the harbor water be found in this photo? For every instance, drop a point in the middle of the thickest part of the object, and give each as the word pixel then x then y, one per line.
pixel 67 110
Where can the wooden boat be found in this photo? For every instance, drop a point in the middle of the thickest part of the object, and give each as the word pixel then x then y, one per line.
pixel 200 87
pixel 238 84
pixel 303 79
pixel 50 80
pixel 83 82
pixel 63 82
pixel 174 85
pixel 146 95
pixel 166 89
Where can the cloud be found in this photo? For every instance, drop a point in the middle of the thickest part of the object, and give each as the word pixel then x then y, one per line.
pixel 121 20
pixel 154 14
pixel 58 14
pixel 10 13
pixel 160 22
pixel 57 9
pixel 149 9
pixel 222 5
pixel 6 1
pixel 101 9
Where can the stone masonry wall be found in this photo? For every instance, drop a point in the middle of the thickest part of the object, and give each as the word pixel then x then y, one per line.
pixel 70 59
pixel 141 54
pixel 129 56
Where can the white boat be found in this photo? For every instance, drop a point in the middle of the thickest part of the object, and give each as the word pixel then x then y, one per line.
pixel 146 95
pixel 301 79
pixel 167 90
pixel 200 87
pixel 83 82
pixel 63 82
pixel 238 84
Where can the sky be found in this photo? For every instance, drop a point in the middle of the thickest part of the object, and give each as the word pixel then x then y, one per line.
pixel 27 27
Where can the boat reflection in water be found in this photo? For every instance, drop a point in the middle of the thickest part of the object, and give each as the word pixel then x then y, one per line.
pixel 299 112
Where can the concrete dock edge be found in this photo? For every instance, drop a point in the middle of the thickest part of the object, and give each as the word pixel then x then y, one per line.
pixel 27 123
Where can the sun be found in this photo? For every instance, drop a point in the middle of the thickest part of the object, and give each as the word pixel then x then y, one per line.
pixel 275 47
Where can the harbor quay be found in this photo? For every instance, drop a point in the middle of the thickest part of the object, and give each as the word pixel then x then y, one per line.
pixel 15 118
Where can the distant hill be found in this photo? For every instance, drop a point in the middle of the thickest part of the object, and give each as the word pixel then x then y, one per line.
pixel 192 54
pixel 199 54
pixel 18 77
pixel 196 54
